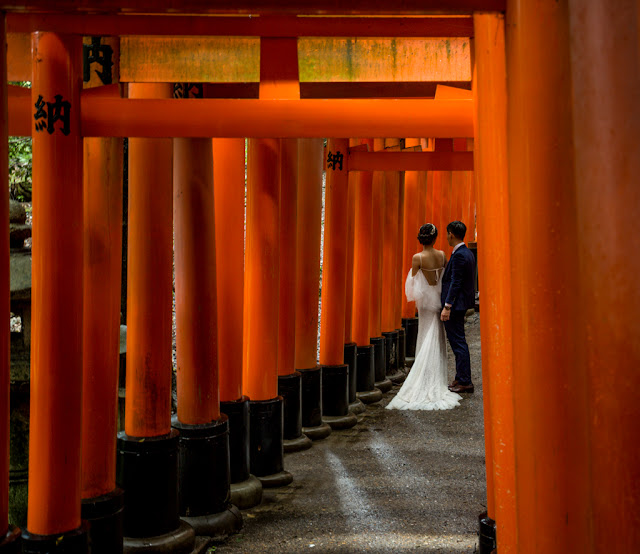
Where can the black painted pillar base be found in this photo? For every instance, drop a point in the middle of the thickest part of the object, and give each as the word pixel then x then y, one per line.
pixel 71 542
pixel 290 388
pixel 147 471
pixel 266 447
pixel 367 392
pixel 379 365
pixel 487 534
pixel 335 397
pixel 312 424
pixel 104 515
pixel 12 541
pixel 246 490
pixel 401 350
pixel 410 325
pixel 350 356
pixel 391 357
pixel 204 478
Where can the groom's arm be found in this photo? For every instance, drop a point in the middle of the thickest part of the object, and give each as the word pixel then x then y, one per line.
pixel 457 273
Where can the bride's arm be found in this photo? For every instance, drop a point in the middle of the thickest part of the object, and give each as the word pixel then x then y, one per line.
pixel 415 264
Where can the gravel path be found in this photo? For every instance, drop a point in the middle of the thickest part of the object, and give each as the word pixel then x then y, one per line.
pixel 397 482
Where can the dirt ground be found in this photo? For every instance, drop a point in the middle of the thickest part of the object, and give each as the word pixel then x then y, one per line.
pixel 400 481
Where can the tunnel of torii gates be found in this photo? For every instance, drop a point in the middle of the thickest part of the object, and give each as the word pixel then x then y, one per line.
pixel 555 85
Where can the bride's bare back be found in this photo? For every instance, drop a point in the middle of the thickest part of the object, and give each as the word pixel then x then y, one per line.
pixel 429 260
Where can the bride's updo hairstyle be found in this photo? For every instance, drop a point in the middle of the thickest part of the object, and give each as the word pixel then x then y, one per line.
pixel 428 234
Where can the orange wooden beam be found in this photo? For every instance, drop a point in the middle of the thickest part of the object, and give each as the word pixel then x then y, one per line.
pixel 389 253
pixel 101 312
pixel 195 282
pixel 495 276
pixel 262 26
pixel 410 161
pixel 228 185
pixel 4 292
pixel 350 240
pixel 309 7
pixel 377 237
pixel 56 341
pixel 155 117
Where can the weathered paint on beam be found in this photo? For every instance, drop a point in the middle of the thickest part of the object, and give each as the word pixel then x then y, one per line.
pixel 236 60
pixel 117 117
pixel 311 7
pixel 262 26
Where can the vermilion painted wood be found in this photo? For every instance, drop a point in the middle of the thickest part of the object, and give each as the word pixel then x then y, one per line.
pixel 56 341
pixel 262 26
pixel 309 7
pixel 102 197
pixel 410 161
pixel 260 118
pixel 410 232
pixel 550 389
pixel 606 129
pixel 288 253
pixel 149 279
pixel 351 219
pixel 260 380
pixel 400 272
pixel 334 259
pixel 363 245
pixel 4 290
pixel 375 259
pixel 195 277
pixel 491 175
pixel 389 255
pixel 229 187
pixel 310 155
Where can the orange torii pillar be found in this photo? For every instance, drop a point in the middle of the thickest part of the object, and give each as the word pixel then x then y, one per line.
pixel 350 346
pixel 203 444
pixel 361 321
pixel 290 380
pixel 148 446
pixel 491 174
pixel 262 283
pixel 551 378
pixel 228 191
pixel 9 536
pixel 335 379
pixel 54 512
pixel 389 276
pixel 399 284
pixel 334 276
pixel 606 128
pixel 102 501
pixel 410 230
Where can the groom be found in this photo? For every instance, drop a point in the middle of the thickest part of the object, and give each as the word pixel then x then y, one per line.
pixel 457 297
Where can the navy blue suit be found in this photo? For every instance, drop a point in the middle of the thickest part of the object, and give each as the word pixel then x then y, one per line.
pixel 458 291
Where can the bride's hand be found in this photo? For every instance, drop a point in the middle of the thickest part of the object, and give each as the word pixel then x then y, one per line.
pixel 444 314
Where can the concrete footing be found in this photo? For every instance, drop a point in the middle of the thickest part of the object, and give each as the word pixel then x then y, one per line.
pixel 218 525
pixel 341 422
pixel 280 479
pixel 370 396
pixel 179 541
pixel 246 494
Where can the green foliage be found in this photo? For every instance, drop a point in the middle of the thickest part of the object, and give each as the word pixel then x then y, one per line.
pixel 20 162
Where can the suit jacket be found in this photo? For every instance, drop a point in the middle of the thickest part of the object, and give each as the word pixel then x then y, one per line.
pixel 458 280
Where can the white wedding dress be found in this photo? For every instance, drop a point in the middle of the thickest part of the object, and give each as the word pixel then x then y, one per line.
pixel 426 385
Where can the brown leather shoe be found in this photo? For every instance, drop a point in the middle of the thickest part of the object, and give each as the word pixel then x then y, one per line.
pixel 461 388
pixel 454 384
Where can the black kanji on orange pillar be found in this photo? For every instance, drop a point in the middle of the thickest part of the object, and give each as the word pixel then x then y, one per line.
pixel 60 110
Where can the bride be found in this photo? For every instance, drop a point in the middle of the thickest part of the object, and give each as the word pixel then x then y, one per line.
pixel 426 385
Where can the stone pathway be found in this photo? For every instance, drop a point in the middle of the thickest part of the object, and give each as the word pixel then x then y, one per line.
pixel 397 482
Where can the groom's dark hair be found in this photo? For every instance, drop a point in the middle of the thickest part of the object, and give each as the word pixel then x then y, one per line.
pixel 457 229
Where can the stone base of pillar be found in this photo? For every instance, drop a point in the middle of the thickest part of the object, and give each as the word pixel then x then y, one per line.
pixel 487 534
pixel 219 525
pixel 397 378
pixel 290 388
pixel 365 369
pixel 350 355
pixel 401 349
pixel 246 494
pixel 179 541
pixel 379 365
pixel 391 351
pixel 148 471
pixel 203 478
pixel 370 396
pixel 410 325
pixel 335 397
pixel 408 361
pixel 238 413
pixel 104 515
pixel 312 424
pixel 266 446
pixel 71 542
pixel 338 423
pixel 357 407
pixel 11 543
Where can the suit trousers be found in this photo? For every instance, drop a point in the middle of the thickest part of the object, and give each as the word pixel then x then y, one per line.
pixel 455 333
